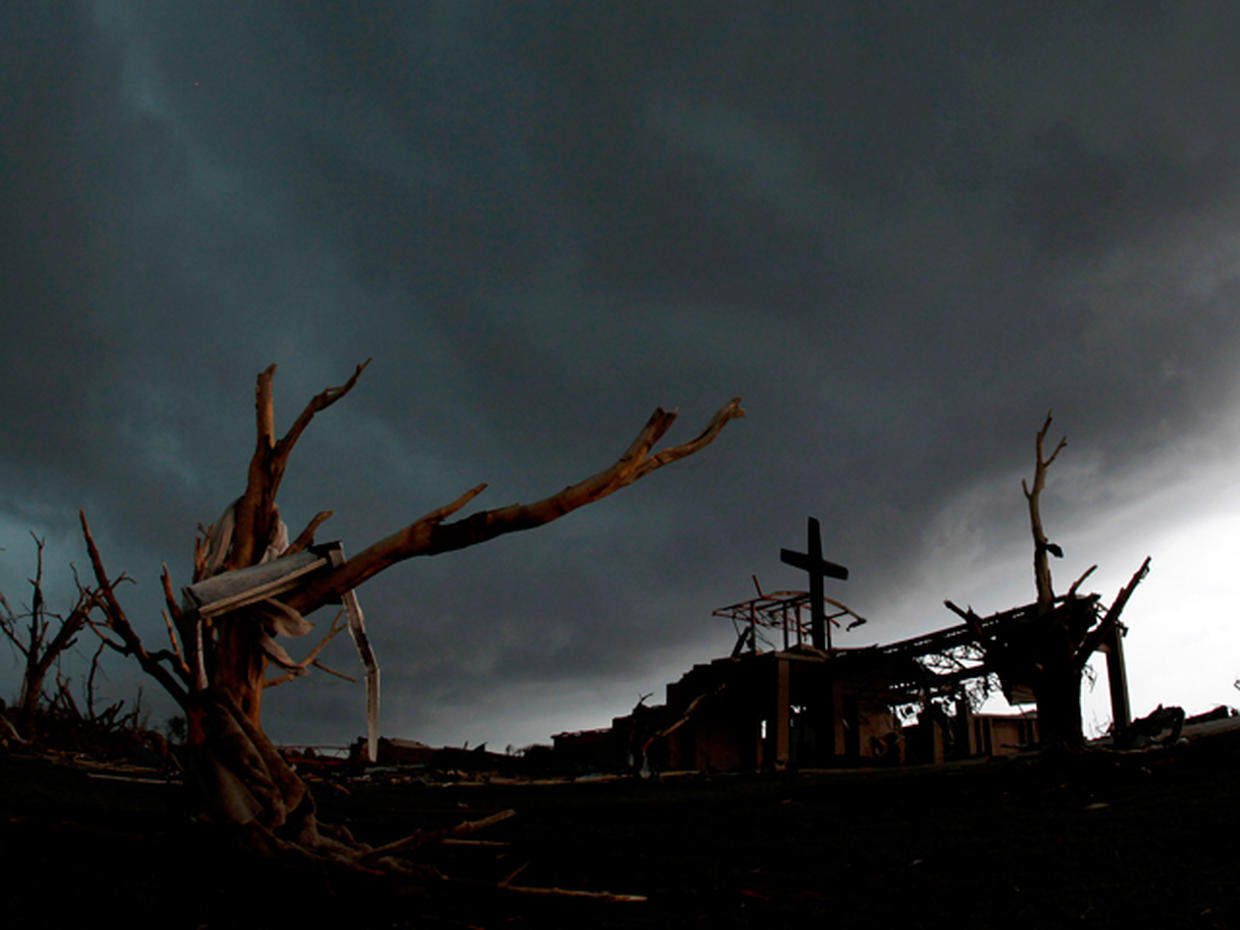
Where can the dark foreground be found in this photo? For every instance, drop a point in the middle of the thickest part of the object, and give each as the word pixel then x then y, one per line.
pixel 1098 841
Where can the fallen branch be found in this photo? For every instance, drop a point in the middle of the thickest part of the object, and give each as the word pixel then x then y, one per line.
pixel 608 896
pixel 506 885
pixel 426 838
pixel 8 731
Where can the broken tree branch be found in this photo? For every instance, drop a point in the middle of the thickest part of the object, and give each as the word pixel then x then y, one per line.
pixel 1110 619
pixel 255 509
pixel 182 665
pixel 608 896
pixel 118 623
pixel 430 535
pixel 165 580
pixel 305 539
pixel 972 620
pixel 506 884
pixel 425 838
pixel 1076 584
pixel 331 671
pixel 8 626
pixel 318 403
pixel 338 626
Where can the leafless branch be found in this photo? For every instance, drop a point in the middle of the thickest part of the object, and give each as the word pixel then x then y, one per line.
pixel 174 609
pixel 319 402
pixel 338 625
pixel 256 506
pixel 1110 619
pixel 100 630
pixel 8 626
pixel 331 671
pixel 1041 565
pixel 425 838
pixel 119 624
pixel 90 680
pixel 305 538
pixel 176 648
pixel 972 620
pixel 1076 584
pixel 430 535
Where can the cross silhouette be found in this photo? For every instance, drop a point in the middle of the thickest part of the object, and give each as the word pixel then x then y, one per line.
pixel 818 568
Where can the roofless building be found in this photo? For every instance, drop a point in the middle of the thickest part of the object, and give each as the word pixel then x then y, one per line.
pixel 806 702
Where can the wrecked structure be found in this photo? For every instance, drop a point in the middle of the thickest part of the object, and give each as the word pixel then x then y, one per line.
pixel 800 707
pixel 806 707
pixel 809 703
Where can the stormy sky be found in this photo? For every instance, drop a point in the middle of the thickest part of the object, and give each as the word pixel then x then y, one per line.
pixel 900 232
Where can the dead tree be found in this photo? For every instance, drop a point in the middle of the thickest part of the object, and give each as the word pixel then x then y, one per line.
pixel 215 666
pixel 28 632
pixel 1041 546
pixel 1046 647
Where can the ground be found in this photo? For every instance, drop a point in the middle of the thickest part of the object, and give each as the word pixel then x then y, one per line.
pixel 1094 841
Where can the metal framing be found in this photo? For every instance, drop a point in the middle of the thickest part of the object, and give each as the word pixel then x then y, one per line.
pixel 782 610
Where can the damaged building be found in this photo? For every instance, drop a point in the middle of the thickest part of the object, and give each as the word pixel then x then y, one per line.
pixel 803 702
pixel 804 707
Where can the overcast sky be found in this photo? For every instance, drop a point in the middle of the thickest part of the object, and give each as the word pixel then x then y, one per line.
pixel 900 232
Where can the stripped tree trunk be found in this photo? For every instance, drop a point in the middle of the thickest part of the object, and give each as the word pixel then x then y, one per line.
pixel 1050 654
pixel 217 667
pixel 1041 546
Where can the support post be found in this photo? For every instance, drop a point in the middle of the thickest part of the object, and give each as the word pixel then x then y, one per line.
pixel 1117 679
pixel 782 718
pixel 964 728
pixel 835 723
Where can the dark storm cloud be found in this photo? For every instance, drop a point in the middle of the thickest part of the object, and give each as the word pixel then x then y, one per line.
pixel 900 236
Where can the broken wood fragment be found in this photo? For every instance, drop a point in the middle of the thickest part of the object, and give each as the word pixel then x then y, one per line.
pixel 428 837
pixel 608 896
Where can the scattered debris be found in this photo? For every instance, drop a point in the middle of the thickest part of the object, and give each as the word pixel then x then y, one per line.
pixel 1163 725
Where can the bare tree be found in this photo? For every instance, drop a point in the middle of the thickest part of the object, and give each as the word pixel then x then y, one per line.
pixel 28 632
pixel 1048 647
pixel 215 668
pixel 1041 546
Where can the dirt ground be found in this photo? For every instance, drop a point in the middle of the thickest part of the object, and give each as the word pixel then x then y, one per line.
pixel 1096 841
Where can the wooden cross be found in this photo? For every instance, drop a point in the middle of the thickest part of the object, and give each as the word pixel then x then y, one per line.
pixel 818 568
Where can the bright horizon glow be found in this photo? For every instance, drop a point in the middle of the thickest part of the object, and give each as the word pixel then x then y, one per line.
pixel 1182 648
pixel 1183 643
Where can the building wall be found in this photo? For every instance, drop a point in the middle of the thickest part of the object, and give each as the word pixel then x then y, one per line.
pixel 588 750
pixel 1002 735
pixel 771 710
pixel 875 722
